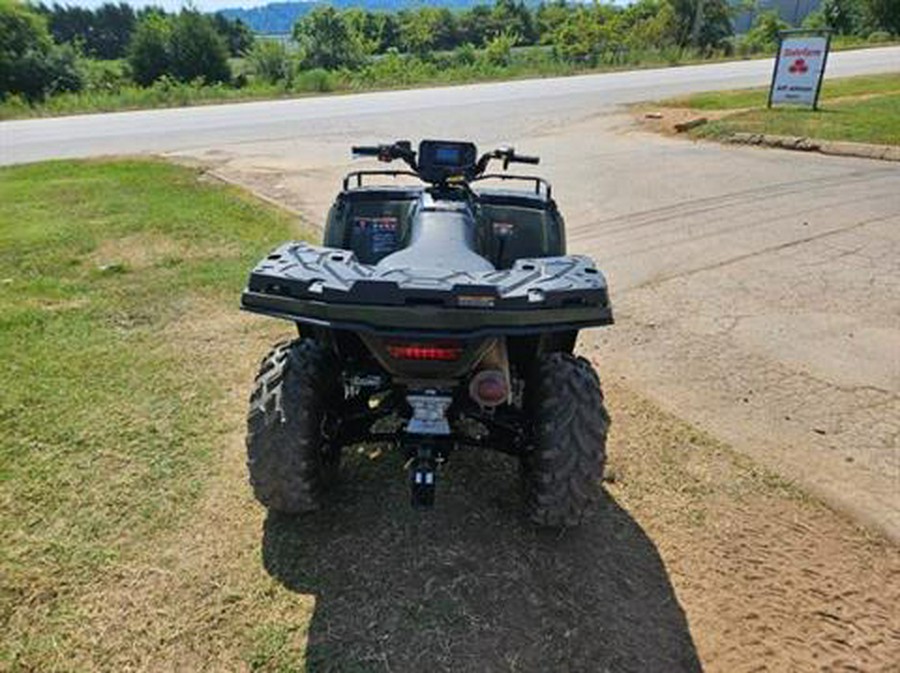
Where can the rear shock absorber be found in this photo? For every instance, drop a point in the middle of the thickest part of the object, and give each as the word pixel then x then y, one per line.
pixel 426 443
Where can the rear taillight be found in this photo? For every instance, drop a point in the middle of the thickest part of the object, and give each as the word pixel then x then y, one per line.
pixel 443 351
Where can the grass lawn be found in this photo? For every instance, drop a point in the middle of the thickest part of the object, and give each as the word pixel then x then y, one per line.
pixel 859 109
pixel 107 424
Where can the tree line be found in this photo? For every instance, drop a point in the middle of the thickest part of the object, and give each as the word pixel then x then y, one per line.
pixel 47 49
pixel 106 32
pixel 52 49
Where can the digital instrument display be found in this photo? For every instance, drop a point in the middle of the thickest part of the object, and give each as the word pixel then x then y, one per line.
pixel 447 155
pixel 440 160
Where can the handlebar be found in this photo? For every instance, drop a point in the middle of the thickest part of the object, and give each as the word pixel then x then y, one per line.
pixel 365 151
pixel 402 149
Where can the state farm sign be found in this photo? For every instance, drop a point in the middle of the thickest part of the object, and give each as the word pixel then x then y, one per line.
pixel 798 70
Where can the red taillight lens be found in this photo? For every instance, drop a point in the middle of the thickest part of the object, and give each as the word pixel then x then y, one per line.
pixel 443 351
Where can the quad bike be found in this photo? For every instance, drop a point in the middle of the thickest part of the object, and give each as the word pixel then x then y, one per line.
pixel 436 316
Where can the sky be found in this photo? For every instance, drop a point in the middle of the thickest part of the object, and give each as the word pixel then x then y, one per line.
pixel 205 5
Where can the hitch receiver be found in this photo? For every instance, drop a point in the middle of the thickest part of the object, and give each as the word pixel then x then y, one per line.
pixel 427 444
pixel 422 478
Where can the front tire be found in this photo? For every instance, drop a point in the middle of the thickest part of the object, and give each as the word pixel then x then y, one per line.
pixel 290 461
pixel 564 467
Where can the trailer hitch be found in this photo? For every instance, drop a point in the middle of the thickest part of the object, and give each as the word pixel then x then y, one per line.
pixel 427 444
pixel 422 476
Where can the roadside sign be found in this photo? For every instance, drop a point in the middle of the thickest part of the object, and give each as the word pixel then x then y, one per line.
pixel 799 67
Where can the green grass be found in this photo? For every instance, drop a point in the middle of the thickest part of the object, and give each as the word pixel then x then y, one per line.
pixel 873 120
pixel 758 97
pixel 859 109
pixel 106 424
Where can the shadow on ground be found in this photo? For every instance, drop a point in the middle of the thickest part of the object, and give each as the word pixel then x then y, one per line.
pixel 470 586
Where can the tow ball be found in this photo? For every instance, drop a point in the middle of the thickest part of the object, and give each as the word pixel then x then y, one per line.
pixel 427 443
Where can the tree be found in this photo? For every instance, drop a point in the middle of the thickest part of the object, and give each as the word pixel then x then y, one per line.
pixel 513 18
pixel 327 40
pixel 763 35
pixel 271 61
pixel 113 26
pixel 196 50
pixel 578 39
pixel 845 17
pixel 473 25
pixel 549 18
pixel 702 23
pixel 30 64
pixel 428 28
pixel 148 53
pixel 885 14
pixel 103 33
pixel 237 35
pixel 650 23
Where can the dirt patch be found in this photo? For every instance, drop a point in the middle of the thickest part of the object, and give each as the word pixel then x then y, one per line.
pixel 695 559
pixel 665 120
pixel 145 250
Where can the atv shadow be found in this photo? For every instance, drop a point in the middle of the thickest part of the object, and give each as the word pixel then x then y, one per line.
pixel 471 586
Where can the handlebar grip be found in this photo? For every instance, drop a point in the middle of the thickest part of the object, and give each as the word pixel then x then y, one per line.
pixel 523 159
pixel 365 151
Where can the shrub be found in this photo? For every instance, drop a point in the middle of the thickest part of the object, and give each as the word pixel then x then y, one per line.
pixel 148 53
pixel 271 62
pixel 30 65
pixel 465 55
pixel 318 80
pixel 498 51
pixel 108 76
pixel 197 51
pixel 763 35
pixel 328 40
pixel 879 36
pixel 884 15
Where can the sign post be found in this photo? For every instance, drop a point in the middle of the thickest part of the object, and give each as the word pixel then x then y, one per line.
pixel 799 67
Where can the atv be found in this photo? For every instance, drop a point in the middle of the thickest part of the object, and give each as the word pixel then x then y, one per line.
pixel 439 314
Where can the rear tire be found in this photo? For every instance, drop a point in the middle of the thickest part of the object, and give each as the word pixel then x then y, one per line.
pixel 290 461
pixel 564 467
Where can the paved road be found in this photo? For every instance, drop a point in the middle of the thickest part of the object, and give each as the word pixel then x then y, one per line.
pixel 162 130
pixel 758 291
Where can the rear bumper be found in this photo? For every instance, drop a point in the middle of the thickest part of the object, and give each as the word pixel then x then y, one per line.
pixel 427 321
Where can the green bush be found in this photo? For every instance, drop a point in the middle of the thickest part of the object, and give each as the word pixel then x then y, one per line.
pixel 879 36
pixel 498 51
pixel 197 51
pixel 31 66
pixel 110 76
pixel 185 47
pixel 763 35
pixel 317 80
pixel 815 20
pixel 884 14
pixel 271 62
pixel 465 55
pixel 328 41
pixel 148 52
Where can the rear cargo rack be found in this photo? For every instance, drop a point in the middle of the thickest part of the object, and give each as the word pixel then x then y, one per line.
pixel 329 287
